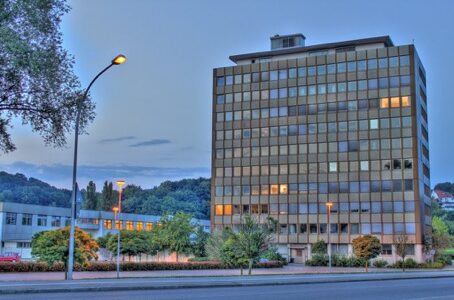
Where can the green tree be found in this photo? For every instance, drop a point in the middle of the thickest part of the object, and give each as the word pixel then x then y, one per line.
pixel 230 253
pixel 253 239
pixel 108 197
pixel 319 247
pixel 175 232
pixel 91 198
pixel 201 238
pixel 440 236
pixel 37 82
pixel 401 244
pixel 52 246
pixel 214 244
pixel 133 243
pixel 367 247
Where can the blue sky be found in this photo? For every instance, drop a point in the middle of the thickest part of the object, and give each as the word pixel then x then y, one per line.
pixel 154 112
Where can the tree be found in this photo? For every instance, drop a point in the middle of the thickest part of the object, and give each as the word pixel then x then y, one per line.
pixel 175 232
pixel 402 245
pixel 91 198
pixel 201 238
pixel 133 243
pixel 52 246
pixel 440 236
pixel 37 82
pixel 214 244
pixel 108 197
pixel 319 247
pixel 253 239
pixel 367 247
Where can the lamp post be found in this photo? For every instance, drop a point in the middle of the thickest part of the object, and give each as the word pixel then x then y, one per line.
pixel 120 184
pixel 118 60
pixel 328 206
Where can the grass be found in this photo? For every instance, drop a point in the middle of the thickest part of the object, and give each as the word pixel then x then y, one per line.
pixel 449 251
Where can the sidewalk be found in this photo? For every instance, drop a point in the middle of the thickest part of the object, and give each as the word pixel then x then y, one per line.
pixel 97 285
pixel 292 269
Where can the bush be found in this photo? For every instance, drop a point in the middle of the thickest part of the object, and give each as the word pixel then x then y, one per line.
pixel 97 266
pixel 432 265
pixel 445 259
pixel 273 255
pixel 196 259
pixel 380 263
pixel 317 260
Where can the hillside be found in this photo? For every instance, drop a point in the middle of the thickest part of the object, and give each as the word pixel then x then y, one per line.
pixel 187 195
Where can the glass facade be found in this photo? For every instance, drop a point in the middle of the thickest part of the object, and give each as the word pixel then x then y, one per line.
pixel 339 127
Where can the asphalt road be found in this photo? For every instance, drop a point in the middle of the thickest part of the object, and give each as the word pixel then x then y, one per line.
pixel 415 289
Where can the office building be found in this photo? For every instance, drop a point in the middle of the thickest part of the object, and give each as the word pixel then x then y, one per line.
pixel 299 126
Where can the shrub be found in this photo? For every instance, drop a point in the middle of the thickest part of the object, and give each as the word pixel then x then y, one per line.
pixel 380 263
pixel 317 260
pixel 431 265
pixel 410 263
pixel 196 259
pixel 97 266
pixel 319 247
pixel 273 255
pixel 445 259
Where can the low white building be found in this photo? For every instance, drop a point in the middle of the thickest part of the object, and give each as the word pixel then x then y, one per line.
pixel 444 199
pixel 19 222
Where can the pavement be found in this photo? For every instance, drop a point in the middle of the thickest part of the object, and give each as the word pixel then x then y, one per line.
pixel 291 269
pixel 172 283
pixel 404 289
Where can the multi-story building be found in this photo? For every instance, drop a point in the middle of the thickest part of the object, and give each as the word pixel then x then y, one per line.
pixel 444 199
pixel 19 222
pixel 299 126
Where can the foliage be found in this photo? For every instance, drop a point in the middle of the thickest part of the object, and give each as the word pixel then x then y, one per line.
pixel 230 256
pixel 191 196
pixel 37 82
pixel 321 260
pixel 91 198
pixel 445 215
pixel 272 254
pixel 108 197
pixel 441 239
pixel 96 266
pixel 317 260
pixel 253 239
pixel 319 247
pixel 20 189
pixel 133 243
pixel 444 259
pixel 380 263
pixel 214 244
pixel 366 247
pixel 200 241
pixel 52 246
pixel 175 233
pixel 103 240
pixel 196 259
pixel 402 246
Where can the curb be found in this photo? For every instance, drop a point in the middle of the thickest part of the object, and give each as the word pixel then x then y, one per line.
pixel 170 286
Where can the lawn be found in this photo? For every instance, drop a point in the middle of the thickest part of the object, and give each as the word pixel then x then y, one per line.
pixel 449 251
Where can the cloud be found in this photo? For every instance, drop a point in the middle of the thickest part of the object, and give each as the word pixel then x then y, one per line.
pixel 153 142
pixel 147 176
pixel 118 139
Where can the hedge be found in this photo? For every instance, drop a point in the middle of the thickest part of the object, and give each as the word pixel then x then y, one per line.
pixel 124 266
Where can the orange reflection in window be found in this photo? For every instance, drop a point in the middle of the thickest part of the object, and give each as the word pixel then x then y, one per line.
pixel 405 101
pixel 283 188
pixel 384 102
pixel 395 102
pixel 228 209
pixel 219 210
pixel 274 189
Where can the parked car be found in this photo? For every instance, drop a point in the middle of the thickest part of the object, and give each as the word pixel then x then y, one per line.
pixel 10 257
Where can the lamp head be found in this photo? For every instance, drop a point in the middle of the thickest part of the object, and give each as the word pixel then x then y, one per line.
pixel 329 204
pixel 115 209
pixel 119 59
pixel 120 183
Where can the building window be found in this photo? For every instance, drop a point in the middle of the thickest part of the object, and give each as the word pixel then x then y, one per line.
pixel 149 226
pixel 108 224
pixel 56 221
pixel 139 226
pixel 42 220
pixel 228 210
pixel 22 245
pixel 118 225
pixel 129 225
pixel 11 218
pixel 27 219
pixel 386 249
pixel 219 210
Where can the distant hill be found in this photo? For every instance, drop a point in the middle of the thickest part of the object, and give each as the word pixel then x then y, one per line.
pixel 18 188
pixel 445 187
pixel 187 195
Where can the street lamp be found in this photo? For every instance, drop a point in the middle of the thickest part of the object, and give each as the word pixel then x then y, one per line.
pixel 120 184
pixel 329 204
pixel 119 59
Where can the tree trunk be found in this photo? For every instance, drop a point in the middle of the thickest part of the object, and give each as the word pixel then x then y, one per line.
pixel 176 256
pixel 367 262
pixel 403 264
pixel 250 266
pixel 66 270
pixel 241 269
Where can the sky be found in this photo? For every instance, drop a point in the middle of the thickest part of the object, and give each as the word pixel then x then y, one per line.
pixel 154 112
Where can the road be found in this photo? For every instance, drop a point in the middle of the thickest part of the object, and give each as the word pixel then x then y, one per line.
pixel 415 289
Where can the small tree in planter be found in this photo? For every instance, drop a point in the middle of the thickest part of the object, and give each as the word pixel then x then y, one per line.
pixel 401 245
pixel 367 247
